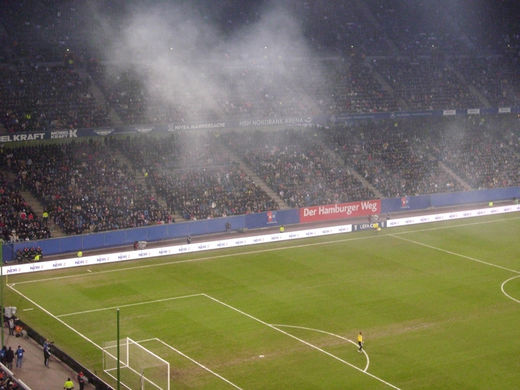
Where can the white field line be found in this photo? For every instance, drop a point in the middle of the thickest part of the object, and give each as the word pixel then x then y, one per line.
pixel 301 341
pixel 205 258
pixel 192 360
pixel 330 334
pixel 115 379
pixel 504 291
pixel 128 305
pixel 139 374
pixel 244 314
pixel 454 253
pixel 56 318
pixel 468 258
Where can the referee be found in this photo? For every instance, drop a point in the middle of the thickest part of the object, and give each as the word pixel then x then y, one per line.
pixel 360 341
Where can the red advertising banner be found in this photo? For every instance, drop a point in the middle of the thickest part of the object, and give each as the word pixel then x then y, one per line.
pixel 341 210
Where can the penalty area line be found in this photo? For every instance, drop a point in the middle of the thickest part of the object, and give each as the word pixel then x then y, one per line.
pixel 56 318
pixel 315 347
pixel 454 253
pixel 328 333
pixel 128 305
pixel 192 360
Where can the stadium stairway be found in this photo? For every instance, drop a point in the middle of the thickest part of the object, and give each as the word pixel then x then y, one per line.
pixel 140 179
pixel 258 181
pixel 339 161
pixel 474 91
pixel 37 207
pixel 464 184
pixel 96 92
pixel 38 210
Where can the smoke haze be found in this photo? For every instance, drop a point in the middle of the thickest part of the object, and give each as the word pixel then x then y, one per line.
pixel 203 70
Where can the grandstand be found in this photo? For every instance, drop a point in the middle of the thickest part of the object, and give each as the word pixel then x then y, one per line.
pixel 109 126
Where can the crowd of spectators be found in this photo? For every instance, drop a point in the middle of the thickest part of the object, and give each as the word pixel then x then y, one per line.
pixel 7 382
pixel 84 187
pixel 482 150
pixel 495 77
pixel 39 97
pixel 375 61
pixel 394 156
pixel 27 254
pixel 380 61
pixel 425 83
pixel 18 221
pixel 297 167
pixel 195 178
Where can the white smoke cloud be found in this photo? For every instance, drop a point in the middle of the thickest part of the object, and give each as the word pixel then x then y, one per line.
pixel 186 61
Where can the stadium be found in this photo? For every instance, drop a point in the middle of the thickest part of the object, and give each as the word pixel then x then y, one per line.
pixel 260 195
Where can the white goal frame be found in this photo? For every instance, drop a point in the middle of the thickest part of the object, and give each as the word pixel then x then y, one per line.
pixel 125 361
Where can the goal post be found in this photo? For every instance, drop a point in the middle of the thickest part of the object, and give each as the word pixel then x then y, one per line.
pixel 141 369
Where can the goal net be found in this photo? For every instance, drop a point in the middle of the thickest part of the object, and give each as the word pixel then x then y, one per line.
pixel 140 368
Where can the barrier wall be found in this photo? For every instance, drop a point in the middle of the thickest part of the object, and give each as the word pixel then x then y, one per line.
pixel 393 205
pixel 243 241
pixel 250 221
pixel 172 250
pixel 153 233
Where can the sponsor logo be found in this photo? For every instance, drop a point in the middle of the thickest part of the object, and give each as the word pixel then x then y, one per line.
pixel 102 259
pixel 195 126
pixel 341 210
pixel 57 134
pixel 144 130
pixel 104 132
pixel 22 137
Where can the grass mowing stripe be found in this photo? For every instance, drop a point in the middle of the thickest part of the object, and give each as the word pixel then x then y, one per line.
pixel 454 253
pixel 56 318
pixel 301 341
pixel 330 242
pixel 129 305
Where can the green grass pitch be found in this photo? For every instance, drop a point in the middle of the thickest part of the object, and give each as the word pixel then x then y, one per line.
pixel 438 304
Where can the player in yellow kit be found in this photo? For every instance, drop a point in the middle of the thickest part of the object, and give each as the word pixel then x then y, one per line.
pixel 360 341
